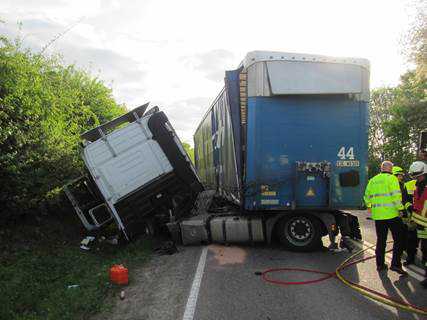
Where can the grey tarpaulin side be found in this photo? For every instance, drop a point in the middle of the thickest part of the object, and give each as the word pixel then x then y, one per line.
pixel 214 148
pixel 233 91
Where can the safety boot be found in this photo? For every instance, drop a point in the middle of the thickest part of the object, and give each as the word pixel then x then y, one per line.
pixel 399 270
pixel 333 247
pixel 345 243
pixel 408 262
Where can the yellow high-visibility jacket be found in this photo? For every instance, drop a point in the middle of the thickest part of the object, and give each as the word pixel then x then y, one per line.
pixel 410 186
pixel 383 196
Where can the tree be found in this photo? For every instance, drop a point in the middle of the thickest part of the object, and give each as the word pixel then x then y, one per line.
pixel 408 117
pixel 189 150
pixel 398 115
pixel 416 42
pixel 379 110
pixel 44 107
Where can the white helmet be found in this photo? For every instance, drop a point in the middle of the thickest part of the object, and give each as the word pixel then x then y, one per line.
pixel 417 169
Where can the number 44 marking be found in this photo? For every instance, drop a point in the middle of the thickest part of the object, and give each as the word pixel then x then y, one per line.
pixel 343 155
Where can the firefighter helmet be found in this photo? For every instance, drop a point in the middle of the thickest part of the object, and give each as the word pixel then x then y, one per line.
pixel 417 169
pixel 397 170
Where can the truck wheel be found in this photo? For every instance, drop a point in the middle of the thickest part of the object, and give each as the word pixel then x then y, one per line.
pixel 300 233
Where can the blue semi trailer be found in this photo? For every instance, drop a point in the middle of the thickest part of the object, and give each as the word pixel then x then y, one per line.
pixel 286 141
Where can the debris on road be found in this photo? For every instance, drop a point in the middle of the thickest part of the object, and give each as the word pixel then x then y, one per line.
pixel 113 240
pixel 166 248
pixel 84 244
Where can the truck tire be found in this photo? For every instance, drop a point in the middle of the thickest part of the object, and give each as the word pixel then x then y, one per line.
pixel 301 233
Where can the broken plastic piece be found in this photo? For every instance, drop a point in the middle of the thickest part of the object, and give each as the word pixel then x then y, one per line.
pixel 87 240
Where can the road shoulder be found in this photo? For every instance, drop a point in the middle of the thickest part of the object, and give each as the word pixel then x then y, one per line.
pixel 159 289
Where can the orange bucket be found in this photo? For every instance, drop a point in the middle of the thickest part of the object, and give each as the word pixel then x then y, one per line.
pixel 119 274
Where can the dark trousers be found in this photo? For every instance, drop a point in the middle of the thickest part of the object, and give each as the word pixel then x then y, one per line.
pixel 411 243
pixel 396 227
pixel 424 252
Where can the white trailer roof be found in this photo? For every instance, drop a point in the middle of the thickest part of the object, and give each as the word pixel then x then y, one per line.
pixel 258 56
pixel 282 73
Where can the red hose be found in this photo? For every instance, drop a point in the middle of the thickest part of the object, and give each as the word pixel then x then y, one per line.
pixel 280 282
pixel 328 275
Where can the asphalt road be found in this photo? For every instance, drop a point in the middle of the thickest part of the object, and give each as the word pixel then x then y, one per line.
pixel 230 289
pixel 368 230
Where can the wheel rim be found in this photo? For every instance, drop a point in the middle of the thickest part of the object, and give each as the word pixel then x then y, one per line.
pixel 299 231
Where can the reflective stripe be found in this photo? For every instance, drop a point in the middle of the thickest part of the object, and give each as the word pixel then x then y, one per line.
pixel 389 194
pixel 420 220
pixel 410 186
pixel 419 217
pixel 392 204
pixel 422 234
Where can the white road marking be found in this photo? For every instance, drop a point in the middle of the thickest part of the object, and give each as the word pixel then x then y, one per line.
pixel 413 271
pixel 190 308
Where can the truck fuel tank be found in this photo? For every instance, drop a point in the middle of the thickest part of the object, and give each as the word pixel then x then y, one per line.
pixel 235 229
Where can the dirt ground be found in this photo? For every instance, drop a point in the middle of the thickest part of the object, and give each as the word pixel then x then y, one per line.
pixel 158 290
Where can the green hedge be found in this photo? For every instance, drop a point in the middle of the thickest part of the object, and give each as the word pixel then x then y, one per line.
pixel 44 106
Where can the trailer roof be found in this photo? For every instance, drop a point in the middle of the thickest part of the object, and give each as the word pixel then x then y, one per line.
pixel 258 56
pixel 253 57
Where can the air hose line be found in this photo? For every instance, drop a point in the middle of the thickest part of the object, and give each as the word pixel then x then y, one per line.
pixel 365 291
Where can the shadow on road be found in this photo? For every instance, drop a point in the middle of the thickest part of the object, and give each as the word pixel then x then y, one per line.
pixel 401 290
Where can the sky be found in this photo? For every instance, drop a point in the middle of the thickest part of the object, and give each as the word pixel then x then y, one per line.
pixel 174 53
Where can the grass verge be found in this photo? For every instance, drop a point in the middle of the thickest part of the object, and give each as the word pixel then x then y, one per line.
pixel 34 283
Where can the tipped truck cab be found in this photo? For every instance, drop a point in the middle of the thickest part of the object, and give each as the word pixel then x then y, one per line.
pixel 138 174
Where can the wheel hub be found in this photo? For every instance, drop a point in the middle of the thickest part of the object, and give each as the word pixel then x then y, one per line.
pixel 300 231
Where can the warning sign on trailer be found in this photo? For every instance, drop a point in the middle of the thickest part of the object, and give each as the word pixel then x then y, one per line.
pixel 310 192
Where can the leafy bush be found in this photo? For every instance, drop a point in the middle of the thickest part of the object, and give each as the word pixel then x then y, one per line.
pixel 44 107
